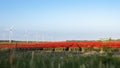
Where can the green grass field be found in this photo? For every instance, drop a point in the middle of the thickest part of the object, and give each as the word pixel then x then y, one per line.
pixel 41 59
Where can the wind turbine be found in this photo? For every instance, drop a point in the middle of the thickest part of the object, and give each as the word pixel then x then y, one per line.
pixel 51 38
pixel 26 34
pixel 10 34
pixel 37 36
pixel 3 35
pixel 42 37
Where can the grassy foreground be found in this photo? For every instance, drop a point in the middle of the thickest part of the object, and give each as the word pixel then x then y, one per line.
pixel 40 59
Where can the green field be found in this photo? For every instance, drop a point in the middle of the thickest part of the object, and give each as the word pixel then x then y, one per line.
pixel 41 59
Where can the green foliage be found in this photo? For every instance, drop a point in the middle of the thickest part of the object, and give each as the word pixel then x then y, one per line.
pixel 57 60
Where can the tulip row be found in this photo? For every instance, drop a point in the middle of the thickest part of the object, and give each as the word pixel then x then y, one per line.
pixel 65 45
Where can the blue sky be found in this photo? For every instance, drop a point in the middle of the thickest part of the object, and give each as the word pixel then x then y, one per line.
pixel 59 20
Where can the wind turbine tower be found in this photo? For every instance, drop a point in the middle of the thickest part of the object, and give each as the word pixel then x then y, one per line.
pixel 10 34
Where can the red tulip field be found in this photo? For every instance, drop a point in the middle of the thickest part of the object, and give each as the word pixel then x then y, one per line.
pixel 64 45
